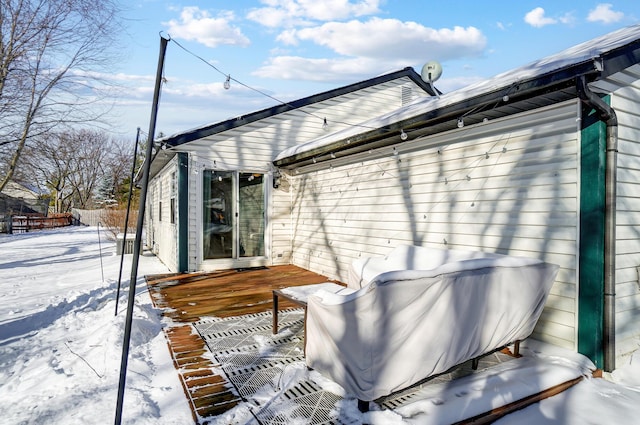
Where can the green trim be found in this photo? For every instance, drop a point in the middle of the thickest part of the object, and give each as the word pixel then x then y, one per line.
pixel 592 234
pixel 183 211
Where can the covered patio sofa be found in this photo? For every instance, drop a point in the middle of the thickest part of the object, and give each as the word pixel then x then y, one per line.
pixel 420 311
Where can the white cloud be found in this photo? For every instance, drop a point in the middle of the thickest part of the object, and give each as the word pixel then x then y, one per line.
pixel 288 13
pixel 603 13
pixel 308 69
pixel 370 48
pixel 392 40
pixel 197 24
pixel 536 18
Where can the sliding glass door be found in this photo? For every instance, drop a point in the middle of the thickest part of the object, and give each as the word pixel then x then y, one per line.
pixel 251 215
pixel 233 215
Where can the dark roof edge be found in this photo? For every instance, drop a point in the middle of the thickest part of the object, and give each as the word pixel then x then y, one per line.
pixel 198 133
pixel 613 61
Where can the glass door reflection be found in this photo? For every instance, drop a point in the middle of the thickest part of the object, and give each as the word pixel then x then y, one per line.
pixel 218 214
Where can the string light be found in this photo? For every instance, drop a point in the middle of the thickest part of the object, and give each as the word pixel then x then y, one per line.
pixel 228 80
pixel 325 125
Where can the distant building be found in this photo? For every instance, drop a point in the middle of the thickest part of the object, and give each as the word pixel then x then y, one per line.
pixel 19 199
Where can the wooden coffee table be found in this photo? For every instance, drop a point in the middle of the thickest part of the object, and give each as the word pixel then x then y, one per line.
pixel 298 295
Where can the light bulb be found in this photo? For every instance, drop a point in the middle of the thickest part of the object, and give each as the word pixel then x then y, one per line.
pixel 505 98
pixel 403 135
pixel 325 125
pixel 227 82
pixel 333 155
pixel 460 123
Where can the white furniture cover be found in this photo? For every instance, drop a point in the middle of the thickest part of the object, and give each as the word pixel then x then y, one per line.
pixel 407 325
pixel 407 257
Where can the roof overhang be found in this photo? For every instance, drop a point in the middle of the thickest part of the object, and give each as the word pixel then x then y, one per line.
pixel 491 101
pixel 236 122
pixel 237 125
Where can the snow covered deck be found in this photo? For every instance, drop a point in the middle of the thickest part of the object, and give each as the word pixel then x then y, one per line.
pixel 187 298
pixel 218 313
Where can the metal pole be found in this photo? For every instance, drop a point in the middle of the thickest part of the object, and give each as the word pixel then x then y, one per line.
pixel 136 248
pixel 126 218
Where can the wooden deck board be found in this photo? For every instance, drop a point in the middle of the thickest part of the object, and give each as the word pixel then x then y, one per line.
pixel 188 298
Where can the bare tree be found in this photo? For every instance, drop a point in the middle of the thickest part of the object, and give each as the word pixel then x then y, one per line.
pixel 51 53
pixel 119 166
pixel 73 164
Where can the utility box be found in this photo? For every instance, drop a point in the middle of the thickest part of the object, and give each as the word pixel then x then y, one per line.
pixel 123 245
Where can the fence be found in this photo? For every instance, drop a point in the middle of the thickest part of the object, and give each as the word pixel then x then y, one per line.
pixel 87 217
pixel 30 222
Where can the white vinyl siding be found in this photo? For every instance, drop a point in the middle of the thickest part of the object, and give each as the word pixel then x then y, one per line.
pixel 280 220
pixel 507 186
pixel 252 148
pixel 193 242
pixel 625 100
pixel 164 232
pixel 256 144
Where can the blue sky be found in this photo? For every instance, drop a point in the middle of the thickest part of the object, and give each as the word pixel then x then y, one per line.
pixel 290 49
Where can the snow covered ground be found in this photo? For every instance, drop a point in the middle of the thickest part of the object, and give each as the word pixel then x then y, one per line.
pixel 60 348
pixel 61 344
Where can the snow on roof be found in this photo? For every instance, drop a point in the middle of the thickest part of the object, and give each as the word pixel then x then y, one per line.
pixel 575 55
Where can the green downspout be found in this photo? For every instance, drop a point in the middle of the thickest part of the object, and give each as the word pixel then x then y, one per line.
pixel 183 210
pixel 596 298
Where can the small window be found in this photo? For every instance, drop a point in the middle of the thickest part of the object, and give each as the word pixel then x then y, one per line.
pixel 160 211
pixel 172 206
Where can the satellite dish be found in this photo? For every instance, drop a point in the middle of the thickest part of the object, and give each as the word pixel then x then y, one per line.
pixel 431 71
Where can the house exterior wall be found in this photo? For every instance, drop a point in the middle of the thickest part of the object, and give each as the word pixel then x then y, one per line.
pixel 625 98
pixel 508 186
pixel 252 148
pixel 281 217
pixel 162 225
pixel 194 239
